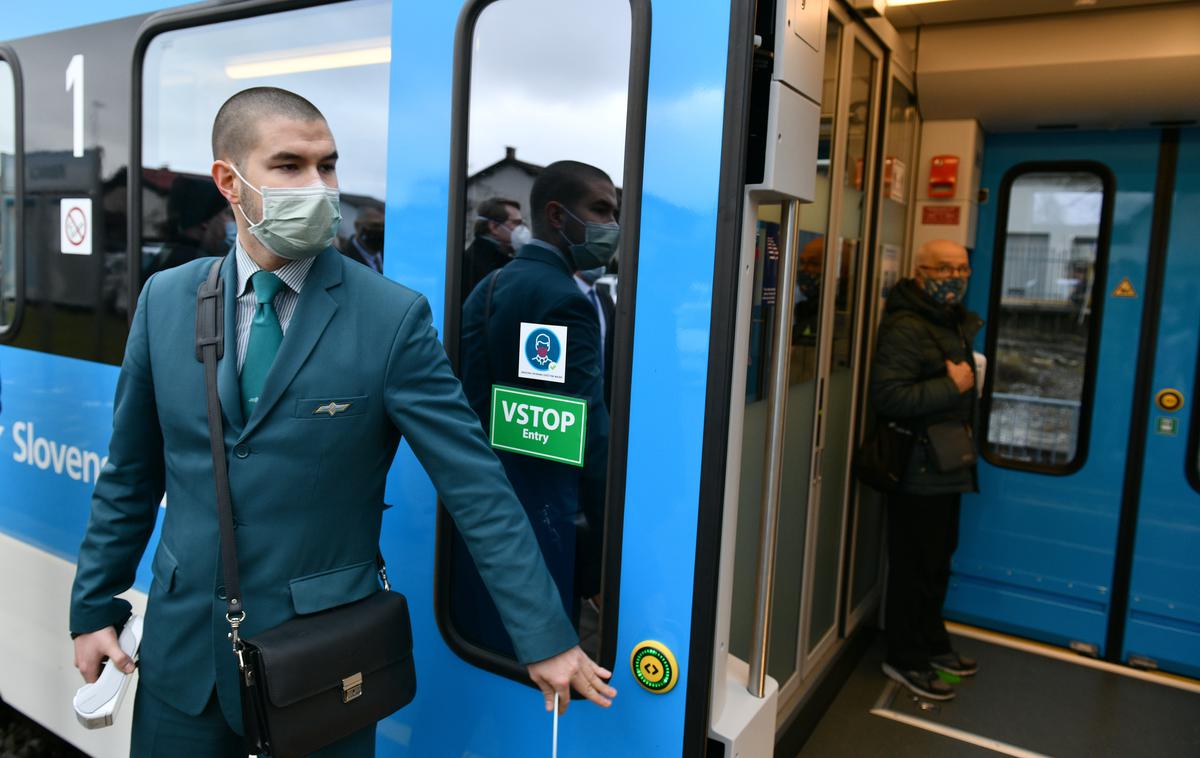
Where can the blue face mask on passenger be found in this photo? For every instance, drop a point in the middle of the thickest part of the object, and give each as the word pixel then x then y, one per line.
pixel 946 291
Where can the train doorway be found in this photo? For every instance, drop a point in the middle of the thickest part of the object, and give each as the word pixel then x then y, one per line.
pixel 1084 531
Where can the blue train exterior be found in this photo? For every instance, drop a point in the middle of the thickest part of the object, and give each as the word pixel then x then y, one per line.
pixel 742 152
pixel 57 410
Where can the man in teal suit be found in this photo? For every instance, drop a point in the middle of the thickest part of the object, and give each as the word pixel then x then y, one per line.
pixel 306 331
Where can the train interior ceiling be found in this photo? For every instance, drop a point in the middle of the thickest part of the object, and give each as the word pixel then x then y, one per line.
pixel 1071 127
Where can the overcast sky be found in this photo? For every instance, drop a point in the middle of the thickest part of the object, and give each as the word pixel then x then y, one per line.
pixel 549 77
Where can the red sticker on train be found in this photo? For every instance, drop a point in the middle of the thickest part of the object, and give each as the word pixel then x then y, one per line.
pixel 942 215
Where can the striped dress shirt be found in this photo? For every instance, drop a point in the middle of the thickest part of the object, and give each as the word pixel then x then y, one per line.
pixel 292 275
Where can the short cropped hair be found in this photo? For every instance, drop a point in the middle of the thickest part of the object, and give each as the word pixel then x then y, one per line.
pixel 493 209
pixel 565 182
pixel 235 129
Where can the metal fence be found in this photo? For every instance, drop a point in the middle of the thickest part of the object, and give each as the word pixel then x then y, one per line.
pixel 1035 273
pixel 1033 429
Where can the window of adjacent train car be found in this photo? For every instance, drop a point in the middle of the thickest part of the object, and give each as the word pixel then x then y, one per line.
pixel 1044 320
pixel 548 99
pixel 8 197
pixel 335 55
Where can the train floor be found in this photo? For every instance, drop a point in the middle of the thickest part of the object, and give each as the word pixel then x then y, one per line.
pixel 1028 701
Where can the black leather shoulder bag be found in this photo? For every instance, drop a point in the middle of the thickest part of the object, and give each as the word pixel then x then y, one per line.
pixel 319 677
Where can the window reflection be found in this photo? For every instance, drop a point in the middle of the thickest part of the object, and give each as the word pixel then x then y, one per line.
pixel 1045 316
pixel 545 155
pixel 189 73
pixel 805 303
pixel 8 197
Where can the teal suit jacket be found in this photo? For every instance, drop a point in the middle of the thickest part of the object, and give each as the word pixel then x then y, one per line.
pixel 307 488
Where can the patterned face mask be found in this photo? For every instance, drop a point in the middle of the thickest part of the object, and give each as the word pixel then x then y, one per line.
pixel 946 291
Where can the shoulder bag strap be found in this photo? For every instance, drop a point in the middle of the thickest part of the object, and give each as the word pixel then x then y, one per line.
pixel 210 346
pixel 487 318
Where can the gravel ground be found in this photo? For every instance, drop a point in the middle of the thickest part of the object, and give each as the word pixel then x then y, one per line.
pixel 23 738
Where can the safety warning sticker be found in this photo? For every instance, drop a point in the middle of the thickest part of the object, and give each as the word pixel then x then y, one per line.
pixel 542 353
pixel 1125 289
pixel 75 225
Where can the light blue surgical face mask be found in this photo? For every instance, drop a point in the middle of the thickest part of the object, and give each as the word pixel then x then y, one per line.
pixel 297 222
pixel 599 243
pixel 946 291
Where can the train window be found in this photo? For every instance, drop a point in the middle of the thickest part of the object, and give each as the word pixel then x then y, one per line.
pixel 8 197
pixel 537 263
pixel 187 75
pixel 1041 339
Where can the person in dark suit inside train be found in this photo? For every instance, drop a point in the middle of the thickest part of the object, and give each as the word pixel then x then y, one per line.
pixel 366 244
pixel 573 208
pixel 307 330
pixel 499 232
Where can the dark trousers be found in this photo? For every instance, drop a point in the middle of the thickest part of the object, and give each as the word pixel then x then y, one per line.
pixel 162 731
pixel 922 535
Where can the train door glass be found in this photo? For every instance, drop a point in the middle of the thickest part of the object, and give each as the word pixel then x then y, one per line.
pixel 545 161
pixel 903 123
pixel 187 75
pixel 8 197
pixel 1043 320
pixel 805 303
pixel 840 333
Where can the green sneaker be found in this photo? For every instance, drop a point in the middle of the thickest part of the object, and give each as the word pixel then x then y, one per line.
pixel 953 663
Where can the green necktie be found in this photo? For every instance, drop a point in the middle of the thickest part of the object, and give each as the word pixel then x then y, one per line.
pixel 265 336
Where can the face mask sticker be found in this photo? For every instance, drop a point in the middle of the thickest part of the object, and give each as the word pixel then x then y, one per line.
pixel 542 352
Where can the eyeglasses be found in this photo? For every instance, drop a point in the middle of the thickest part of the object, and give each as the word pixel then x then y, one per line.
pixel 945 270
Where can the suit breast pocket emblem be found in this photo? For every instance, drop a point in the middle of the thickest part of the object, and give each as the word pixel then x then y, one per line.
pixel 332 408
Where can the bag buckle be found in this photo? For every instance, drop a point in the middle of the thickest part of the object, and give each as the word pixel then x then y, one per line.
pixel 352 687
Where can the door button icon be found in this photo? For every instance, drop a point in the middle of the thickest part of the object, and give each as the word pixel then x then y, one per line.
pixel 1169 400
pixel 654 667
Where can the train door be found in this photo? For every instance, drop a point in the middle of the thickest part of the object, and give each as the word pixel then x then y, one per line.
pixel 1162 615
pixel 895 191
pixel 1078 534
pixel 804 332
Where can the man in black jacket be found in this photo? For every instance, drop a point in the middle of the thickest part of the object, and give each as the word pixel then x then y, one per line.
pixel 923 375
pixel 499 232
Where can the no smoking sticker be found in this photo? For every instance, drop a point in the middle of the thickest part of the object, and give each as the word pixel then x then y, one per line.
pixel 75 225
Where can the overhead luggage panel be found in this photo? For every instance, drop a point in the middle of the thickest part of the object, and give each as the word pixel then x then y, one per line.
pixel 1125 67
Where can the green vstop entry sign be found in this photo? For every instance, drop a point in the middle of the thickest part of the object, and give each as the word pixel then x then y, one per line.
pixel 538 424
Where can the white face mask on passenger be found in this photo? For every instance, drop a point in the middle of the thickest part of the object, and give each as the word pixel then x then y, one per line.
pixel 297 222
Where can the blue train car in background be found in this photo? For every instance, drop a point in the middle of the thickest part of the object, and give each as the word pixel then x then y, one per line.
pixel 776 171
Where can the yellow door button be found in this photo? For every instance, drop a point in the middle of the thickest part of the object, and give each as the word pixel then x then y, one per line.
pixel 654 666
pixel 1169 400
